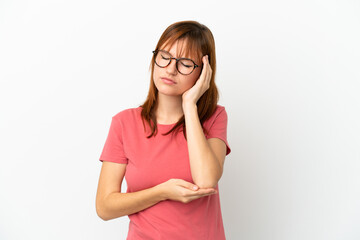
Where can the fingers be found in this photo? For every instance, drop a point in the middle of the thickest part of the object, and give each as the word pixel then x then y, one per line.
pixel 203 192
pixel 194 190
pixel 207 69
pixel 194 187
pixel 187 185
pixel 206 62
pixel 186 192
pixel 199 194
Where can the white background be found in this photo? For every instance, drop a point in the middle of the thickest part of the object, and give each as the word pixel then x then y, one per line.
pixel 288 75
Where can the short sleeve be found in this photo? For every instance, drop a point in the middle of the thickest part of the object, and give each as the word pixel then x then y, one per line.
pixel 218 127
pixel 113 150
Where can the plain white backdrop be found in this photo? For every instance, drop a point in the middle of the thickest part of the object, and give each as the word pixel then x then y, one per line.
pixel 288 75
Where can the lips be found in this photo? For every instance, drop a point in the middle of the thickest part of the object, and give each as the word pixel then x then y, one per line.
pixel 168 80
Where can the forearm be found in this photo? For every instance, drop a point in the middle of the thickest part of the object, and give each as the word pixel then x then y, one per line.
pixel 205 168
pixel 120 204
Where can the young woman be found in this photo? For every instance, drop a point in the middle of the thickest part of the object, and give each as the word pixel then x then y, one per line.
pixel 171 149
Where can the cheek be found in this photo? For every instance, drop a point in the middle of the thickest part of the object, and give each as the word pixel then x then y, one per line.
pixel 194 77
pixel 155 75
pixel 190 82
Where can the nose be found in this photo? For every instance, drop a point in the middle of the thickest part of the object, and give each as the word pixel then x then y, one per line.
pixel 171 68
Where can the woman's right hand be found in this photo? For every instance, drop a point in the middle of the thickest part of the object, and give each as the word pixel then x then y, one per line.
pixel 183 191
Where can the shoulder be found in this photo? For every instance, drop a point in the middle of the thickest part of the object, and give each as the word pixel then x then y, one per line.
pixel 128 115
pixel 219 112
pixel 218 117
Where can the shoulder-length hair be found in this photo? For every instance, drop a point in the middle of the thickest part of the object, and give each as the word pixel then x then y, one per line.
pixel 199 42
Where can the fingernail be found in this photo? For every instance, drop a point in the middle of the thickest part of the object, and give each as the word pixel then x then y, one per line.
pixel 195 187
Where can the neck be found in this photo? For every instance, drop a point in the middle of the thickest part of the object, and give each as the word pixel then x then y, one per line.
pixel 169 109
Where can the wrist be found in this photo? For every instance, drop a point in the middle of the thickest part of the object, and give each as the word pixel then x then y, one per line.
pixel 161 192
pixel 189 106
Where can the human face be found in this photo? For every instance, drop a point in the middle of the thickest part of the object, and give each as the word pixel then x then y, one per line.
pixel 168 80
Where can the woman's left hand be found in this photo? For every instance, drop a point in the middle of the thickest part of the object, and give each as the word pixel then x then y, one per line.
pixel 192 95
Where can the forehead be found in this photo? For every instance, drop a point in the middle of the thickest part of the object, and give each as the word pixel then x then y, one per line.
pixel 181 48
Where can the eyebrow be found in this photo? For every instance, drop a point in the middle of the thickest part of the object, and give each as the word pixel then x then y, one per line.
pixel 173 56
pixel 166 52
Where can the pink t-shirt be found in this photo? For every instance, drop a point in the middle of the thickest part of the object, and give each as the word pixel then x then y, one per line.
pixel 151 161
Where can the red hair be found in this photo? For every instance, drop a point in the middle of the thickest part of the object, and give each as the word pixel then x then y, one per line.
pixel 199 42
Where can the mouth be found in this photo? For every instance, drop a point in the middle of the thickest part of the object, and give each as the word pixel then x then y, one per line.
pixel 168 81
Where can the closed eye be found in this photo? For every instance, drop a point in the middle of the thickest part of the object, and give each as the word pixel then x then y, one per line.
pixel 185 65
pixel 164 57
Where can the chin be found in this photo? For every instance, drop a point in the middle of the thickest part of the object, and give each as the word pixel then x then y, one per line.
pixel 169 92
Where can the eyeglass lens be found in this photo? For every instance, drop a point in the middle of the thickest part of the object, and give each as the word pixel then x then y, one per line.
pixel 184 66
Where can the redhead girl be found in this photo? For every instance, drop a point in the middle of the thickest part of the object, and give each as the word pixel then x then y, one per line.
pixel 171 149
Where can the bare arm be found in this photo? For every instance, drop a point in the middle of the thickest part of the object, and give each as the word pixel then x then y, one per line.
pixel 206 156
pixel 111 203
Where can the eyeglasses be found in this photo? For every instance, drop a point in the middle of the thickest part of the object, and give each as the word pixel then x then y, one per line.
pixel 184 66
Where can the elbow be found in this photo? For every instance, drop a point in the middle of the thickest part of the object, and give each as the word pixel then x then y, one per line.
pixel 100 210
pixel 206 183
pixel 106 217
pixel 106 213
pixel 101 214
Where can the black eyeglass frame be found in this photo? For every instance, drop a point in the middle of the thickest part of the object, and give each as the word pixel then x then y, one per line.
pixel 176 59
